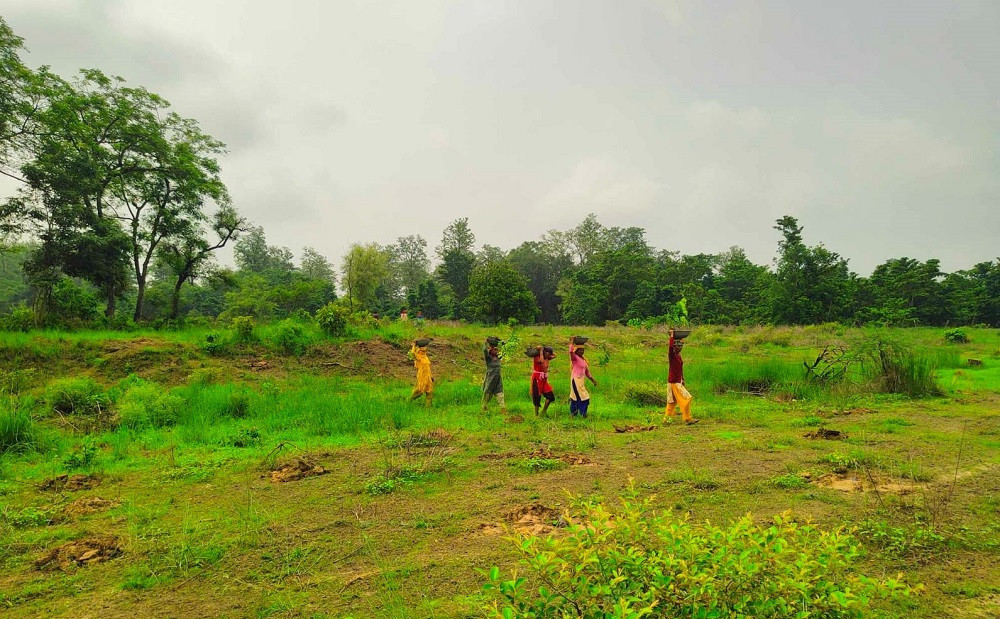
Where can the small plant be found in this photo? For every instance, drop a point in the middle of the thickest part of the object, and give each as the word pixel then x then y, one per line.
pixel 28 517
pixel 82 456
pixel 781 569
pixel 913 541
pixel 956 336
pixel 789 481
pixel 76 396
pixel 332 319
pixel 244 437
pixel 215 344
pixel 536 465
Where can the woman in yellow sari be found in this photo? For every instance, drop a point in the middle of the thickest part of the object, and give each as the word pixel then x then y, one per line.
pixel 425 383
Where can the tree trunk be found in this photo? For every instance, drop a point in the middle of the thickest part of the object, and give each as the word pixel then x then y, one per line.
pixel 175 299
pixel 140 298
pixel 109 311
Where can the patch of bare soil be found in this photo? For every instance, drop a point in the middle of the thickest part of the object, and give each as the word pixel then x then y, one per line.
pixel 71 482
pixel 86 551
pixel 856 411
pixel 534 519
pixel 88 505
pixel 827 434
pixel 300 468
pixel 633 429
pixel 844 482
pixel 515 419
pixel 543 453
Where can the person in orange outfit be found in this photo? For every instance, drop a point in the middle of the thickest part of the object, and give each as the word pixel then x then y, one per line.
pixel 677 393
pixel 425 383
pixel 540 387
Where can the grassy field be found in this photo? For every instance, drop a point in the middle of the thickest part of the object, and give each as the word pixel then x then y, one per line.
pixel 175 444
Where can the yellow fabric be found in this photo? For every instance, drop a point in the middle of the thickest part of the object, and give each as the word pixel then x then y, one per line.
pixel 581 387
pixel 678 394
pixel 420 361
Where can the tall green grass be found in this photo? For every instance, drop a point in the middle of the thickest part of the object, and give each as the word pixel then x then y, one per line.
pixel 18 433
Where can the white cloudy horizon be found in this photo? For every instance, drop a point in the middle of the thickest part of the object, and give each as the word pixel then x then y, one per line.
pixel 877 125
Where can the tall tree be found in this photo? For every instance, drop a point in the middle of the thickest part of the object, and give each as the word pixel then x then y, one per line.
pixel 811 284
pixel 457 237
pixel 543 265
pixel 411 261
pixel 93 135
pixel 170 198
pixel 187 253
pixel 498 293
pixel 254 255
pixel 315 265
pixel 363 269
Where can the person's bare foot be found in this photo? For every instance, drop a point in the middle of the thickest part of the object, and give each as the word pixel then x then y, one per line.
pixel 691 422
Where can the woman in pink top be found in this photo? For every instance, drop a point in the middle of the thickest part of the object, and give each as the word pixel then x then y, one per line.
pixel 579 399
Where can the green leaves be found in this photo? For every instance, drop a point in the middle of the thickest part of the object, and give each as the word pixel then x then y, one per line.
pixel 637 562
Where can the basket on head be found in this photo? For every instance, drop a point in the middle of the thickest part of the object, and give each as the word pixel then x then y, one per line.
pixel 680 334
pixel 579 340
pixel 423 342
pixel 531 352
pixel 493 340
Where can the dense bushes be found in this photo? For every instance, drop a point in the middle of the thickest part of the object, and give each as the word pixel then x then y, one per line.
pixel 641 563
pixel 332 319
pixel 146 404
pixel 80 395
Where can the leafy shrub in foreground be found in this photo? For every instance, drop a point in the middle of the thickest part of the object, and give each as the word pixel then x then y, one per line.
pixel 79 395
pixel 332 319
pixel 243 328
pixel 147 404
pixel 19 319
pixel 641 563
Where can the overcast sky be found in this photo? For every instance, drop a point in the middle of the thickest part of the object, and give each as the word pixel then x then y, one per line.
pixel 877 124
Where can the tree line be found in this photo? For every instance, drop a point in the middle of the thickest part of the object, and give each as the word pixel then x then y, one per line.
pixel 120 204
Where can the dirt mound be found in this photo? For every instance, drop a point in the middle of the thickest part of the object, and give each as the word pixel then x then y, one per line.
pixel 534 519
pixel 298 469
pixel 88 505
pixel 632 429
pixel 826 433
pixel 86 551
pixel 514 419
pixel 71 482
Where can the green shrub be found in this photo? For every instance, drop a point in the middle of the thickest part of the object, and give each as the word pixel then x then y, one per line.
pixel 79 395
pixel 18 319
pixel 641 563
pixel 897 369
pixel 147 404
pixel 244 437
pixel 17 431
pixel 332 319
pixel 215 344
pixel 243 329
pixel 790 481
pixel 290 337
pixel 956 336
